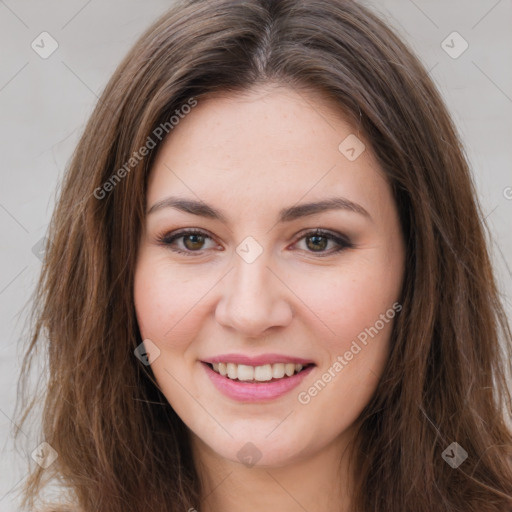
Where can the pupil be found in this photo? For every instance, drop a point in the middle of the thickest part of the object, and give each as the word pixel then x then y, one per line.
pixel 317 238
pixel 196 239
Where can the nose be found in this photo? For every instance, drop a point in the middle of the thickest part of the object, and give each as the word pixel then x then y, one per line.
pixel 253 300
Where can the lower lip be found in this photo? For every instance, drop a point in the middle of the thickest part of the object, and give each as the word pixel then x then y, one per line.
pixel 255 392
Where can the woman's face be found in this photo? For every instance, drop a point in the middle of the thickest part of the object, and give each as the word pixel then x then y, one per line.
pixel 256 287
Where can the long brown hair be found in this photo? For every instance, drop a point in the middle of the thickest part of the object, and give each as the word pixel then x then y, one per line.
pixel 120 445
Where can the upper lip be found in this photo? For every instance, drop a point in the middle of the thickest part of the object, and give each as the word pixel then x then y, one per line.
pixel 257 360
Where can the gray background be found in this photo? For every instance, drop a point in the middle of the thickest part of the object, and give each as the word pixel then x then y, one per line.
pixel 44 104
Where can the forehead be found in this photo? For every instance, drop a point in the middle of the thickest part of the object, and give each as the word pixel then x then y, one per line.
pixel 266 144
pixel 237 124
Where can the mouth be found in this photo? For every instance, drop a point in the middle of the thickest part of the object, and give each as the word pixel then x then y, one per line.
pixel 266 379
pixel 261 373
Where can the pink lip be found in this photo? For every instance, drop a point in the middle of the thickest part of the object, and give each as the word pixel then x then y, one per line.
pixel 258 360
pixel 255 392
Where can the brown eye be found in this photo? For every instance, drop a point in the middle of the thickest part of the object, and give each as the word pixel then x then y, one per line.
pixel 317 242
pixel 186 242
pixel 193 242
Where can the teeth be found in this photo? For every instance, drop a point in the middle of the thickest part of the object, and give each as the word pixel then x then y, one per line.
pixel 278 370
pixel 289 369
pixel 261 373
pixel 245 372
pixel 232 370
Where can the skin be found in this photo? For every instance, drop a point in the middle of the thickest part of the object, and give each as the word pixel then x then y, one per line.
pixel 250 155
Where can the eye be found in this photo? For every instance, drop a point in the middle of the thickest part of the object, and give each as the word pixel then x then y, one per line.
pixel 193 241
pixel 318 240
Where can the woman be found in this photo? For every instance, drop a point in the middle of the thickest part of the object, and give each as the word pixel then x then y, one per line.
pixel 268 285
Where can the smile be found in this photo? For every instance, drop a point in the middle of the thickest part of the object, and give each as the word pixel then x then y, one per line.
pixel 256 383
pixel 263 373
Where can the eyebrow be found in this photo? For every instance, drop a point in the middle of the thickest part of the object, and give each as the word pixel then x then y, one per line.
pixel 285 215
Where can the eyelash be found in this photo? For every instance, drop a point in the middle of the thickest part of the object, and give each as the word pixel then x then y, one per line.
pixel 167 239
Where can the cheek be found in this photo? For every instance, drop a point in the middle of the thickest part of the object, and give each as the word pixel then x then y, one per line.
pixel 359 310
pixel 348 301
pixel 166 303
